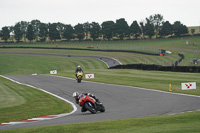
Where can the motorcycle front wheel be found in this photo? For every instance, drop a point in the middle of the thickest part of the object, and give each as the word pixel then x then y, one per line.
pixel 90 107
pixel 102 108
pixel 79 80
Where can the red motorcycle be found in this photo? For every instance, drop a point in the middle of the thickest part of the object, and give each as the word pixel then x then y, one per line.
pixel 90 104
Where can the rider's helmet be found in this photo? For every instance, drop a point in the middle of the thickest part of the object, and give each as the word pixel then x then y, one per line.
pixel 75 95
pixel 78 67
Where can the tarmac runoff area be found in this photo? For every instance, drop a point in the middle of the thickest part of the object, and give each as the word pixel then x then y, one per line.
pixel 120 101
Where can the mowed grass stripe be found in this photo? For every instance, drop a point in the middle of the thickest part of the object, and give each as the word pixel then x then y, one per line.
pixel 29 64
pixel 95 65
pixel 85 63
pixel 166 60
pixel 9 97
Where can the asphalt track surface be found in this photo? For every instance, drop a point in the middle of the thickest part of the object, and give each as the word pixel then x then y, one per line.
pixel 120 101
pixel 110 62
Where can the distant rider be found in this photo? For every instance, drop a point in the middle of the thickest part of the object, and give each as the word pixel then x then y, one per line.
pixel 78 69
pixel 76 95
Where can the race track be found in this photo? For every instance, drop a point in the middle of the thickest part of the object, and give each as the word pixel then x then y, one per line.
pixel 119 101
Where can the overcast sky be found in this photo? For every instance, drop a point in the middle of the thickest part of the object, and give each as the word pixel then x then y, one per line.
pixel 80 11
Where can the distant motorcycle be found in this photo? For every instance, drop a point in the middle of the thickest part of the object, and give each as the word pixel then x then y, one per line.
pixel 79 76
pixel 90 104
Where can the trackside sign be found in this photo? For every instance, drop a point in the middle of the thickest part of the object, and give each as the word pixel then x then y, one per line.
pixel 188 86
pixel 89 76
pixel 53 72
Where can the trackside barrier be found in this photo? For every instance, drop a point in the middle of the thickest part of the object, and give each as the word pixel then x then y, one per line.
pixel 89 76
pixel 192 69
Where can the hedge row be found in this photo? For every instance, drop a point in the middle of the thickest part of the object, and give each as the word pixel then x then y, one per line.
pixel 192 69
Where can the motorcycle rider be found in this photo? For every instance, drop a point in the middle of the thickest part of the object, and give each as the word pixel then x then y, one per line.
pixel 77 70
pixel 77 96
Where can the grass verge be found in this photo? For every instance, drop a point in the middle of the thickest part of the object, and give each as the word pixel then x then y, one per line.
pixel 20 102
pixel 146 79
pixel 180 123
pixel 29 64
pixel 174 45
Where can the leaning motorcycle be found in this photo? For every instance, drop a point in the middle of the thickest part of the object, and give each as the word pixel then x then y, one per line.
pixel 90 104
pixel 79 76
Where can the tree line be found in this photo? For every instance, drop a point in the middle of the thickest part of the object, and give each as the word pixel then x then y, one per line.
pixel 154 25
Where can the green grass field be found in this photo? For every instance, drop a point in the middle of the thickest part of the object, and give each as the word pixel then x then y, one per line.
pixel 174 45
pixel 125 58
pixel 29 64
pixel 180 123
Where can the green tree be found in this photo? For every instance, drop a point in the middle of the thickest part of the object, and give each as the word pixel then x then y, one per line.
pixel 121 28
pixel 142 29
pixel 68 32
pixel 135 29
pixel 30 33
pixel 166 29
pixel 179 28
pixel 79 31
pixel 36 27
pixel 11 28
pixel 107 29
pixel 18 32
pixel 60 28
pixel 149 29
pixel 86 27
pixel 23 27
pixel 43 31
pixel 157 20
pixel 53 32
pixel 5 33
pixel 95 30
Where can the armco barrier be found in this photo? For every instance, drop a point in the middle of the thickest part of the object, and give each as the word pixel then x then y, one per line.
pixel 192 69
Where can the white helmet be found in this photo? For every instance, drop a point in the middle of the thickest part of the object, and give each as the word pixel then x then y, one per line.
pixel 75 94
pixel 79 66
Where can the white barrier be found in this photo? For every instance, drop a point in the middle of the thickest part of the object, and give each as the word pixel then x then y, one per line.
pixel 168 52
pixel 188 86
pixel 53 72
pixel 89 76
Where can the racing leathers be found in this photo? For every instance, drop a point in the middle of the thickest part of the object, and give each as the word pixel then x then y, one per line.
pixel 77 70
pixel 88 94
